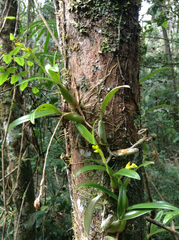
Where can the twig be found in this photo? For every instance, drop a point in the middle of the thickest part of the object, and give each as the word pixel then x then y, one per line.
pixel 9 173
pixel 17 17
pixel 159 224
pixel 47 26
pixel 6 16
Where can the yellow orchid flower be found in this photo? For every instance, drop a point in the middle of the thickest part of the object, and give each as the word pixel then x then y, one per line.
pixel 129 166
pixel 96 148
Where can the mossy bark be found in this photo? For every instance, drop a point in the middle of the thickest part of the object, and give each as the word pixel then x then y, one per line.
pixel 101 51
pixel 26 228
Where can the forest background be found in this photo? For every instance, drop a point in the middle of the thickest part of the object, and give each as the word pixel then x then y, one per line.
pixel 159 42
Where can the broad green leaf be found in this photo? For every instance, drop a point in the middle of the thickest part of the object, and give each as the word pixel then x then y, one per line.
pixel 23 86
pixel 7 58
pixel 108 98
pixel 14 79
pixel 19 60
pixel 44 108
pixel 170 216
pixel 3 77
pixel 15 51
pixel 158 217
pixel 2 69
pixel 101 188
pixel 22 74
pixel 153 205
pixel 11 70
pixel 153 73
pixel 90 167
pixel 85 133
pixel 135 213
pixel 10 17
pixel 27 118
pixel 122 202
pixel 68 96
pixel 30 64
pixel 89 213
pixel 35 90
pixel 127 173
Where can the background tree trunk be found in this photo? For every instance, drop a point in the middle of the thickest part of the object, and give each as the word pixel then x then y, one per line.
pixel 22 182
pixel 101 51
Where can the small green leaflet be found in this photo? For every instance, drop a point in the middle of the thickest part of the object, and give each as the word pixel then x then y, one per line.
pixel 89 213
pixel 164 24
pixel 3 77
pixel 15 51
pixel 7 58
pixel 19 60
pixel 30 64
pixel 12 37
pixel 23 86
pixel 35 90
pixel 14 79
pixel 108 98
pixel 90 167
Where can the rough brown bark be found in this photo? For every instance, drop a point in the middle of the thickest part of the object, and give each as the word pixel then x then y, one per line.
pixel 85 27
pixel 24 189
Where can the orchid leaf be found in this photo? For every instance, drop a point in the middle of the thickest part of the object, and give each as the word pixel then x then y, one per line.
pixel 170 216
pixel 85 133
pixel 108 98
pixel 122 202
pixel 89 213
pixel 153 205
pixel 135 213
pixel 101 188
pixel 158 217
pixel 127 173
pixel 90 167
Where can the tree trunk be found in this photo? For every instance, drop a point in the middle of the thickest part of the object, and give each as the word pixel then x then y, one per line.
pixel 101 52
pixel 22 189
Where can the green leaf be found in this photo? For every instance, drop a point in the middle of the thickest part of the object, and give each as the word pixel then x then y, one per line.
pixel 3 77
pixel 11 70
pixel 12 37
pixel 2 69
pixel 68 96
pixel 122 202
pixel 164 24
pixel 90 167
pixel 73 117
pixel 109 238
pixel 22 74
pixel 89 213
pixel 35 90
pixel 153 205
pixel 108 98
pixel 10 17
pixel 127 173
pixel 170 216
pixel 153 73
pixel 85 133
pixel 35 78
pixel 101 188
pixel 146 163
pixel 23 85
pixel 30 64
pixel 7 58
pixel 15 51
pixel 14 79
pixel 135 213
pixel 40 34
pixel 158 217
pixel 93 132
pixel 44 108
pixel 46 42
pixel 19 60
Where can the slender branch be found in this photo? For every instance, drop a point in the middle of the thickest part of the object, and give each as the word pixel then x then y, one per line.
pixel 6 16
pixel 47 26
pixel 159 224
pixel 17 17
pixel 9 173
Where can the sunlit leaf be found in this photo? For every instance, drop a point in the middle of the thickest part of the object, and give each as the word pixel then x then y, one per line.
pixel 3 77
pixel 170 216
pixel 122 202
pixel 15 51
pixel 19 60
pixel 35 90
pixel 85 133
pixel 108 98
pixel 89 213
pixel 30 64
pixel 127 173
pixel 7 58
pixel 145 164
pixel 164 24
pixel 11 70
pixel 23 86
pixel 14 79
pixel 10 17
pixel 90 167
pixel 101 188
